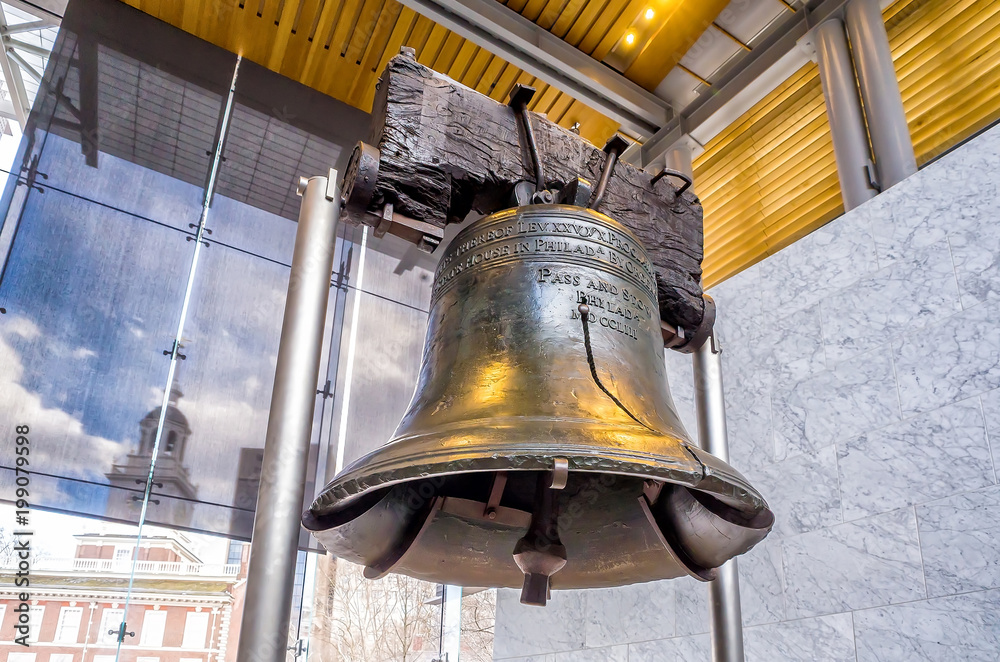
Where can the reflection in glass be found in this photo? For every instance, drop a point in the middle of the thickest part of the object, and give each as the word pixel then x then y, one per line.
pixel 82 346
pixel 190 591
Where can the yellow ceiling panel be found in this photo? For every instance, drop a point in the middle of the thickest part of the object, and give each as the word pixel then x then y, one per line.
pixel 681 24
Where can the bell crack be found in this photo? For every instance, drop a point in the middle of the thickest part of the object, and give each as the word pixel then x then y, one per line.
pixel 703 468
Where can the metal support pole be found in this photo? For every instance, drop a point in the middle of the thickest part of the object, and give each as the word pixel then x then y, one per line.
pixel 843 108
pixel 890 135
pixel 724 591
pixel 679 159
pixel 264 629
pixel 451 623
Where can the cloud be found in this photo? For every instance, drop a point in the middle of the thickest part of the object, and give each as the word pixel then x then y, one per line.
pixel 83 353
pixel 23 327
pixel 60 444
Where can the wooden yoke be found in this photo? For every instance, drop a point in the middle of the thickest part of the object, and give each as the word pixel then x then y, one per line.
pixel 439 150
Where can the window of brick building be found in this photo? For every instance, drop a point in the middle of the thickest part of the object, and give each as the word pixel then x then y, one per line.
pixel 68 629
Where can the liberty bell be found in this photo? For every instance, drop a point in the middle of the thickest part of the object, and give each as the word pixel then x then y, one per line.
pixel 541 448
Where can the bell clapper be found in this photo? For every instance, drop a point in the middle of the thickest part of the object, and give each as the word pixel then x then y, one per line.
pixel 540 554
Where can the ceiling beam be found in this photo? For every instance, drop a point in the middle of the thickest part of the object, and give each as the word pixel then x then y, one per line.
pixel 12 77
pixel 505 33
pixel 778 43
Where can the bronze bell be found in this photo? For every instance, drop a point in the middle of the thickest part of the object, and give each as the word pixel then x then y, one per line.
pixel 541 448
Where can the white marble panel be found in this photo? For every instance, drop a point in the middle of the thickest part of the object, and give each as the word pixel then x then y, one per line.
pixel 806 640
pixel 629 613
pixel 927 457
pixel 949 361
pixel 976 254
pixel 524 631
pixel 834 405
pixel 830 258
pixel 958 541
pixel 748 419
pixel 991 411
pixel 953 194
pixel 739 307
pixel 761 597
pixel 868 563
pixel 908 294
pixel 795 347
pixel 695 648
pixel 803 491
pixel 611 654
pixel 531 658
pixel 962 628
pixel 680 378
pixel 692 612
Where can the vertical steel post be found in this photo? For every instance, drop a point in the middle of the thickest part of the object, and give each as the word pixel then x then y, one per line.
pixel 264 629
pixel 724 592
pixel 451 623
pixel 890 135
pixel 679 159
pixel 843 109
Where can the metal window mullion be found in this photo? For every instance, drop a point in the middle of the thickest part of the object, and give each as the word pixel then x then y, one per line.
pixel 174 351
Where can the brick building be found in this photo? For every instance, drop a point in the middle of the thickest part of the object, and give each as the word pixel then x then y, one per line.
pixel 181 609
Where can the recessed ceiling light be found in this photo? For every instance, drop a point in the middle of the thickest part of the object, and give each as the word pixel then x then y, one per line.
pixel 629 38
pixel 650 14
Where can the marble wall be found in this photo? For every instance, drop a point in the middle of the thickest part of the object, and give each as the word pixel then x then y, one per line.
pixel 862 369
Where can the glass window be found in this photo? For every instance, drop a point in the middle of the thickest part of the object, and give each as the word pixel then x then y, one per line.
pixel 235 554
pixel 104 658
pixel 20 657
pixel 123 553
pixel 147 659
pixel 195 629
pixel 153 623
pixel 111 620
pixel 61 657
pixel 35 614
pixel 68 629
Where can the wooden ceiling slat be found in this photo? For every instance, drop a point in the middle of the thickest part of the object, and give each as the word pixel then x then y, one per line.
pixel 546 99
pixel 585 19
pixel 362 92
pixel 533 9
pixel 617 30
pixel 460 67
pixel 491 75
pixel 432 46
pixel 477 68
pixel 421 33
pixel 448 53
pixel 617 10
pixel 567 17
pixel 553 10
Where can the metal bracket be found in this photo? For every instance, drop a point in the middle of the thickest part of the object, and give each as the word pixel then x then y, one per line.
pixel 577 192
pixel 871 173
pixel 687 342
pixel 519 98
pixel 668 172
pixel 560 473
pixel 614 147
pixel 359 192
pixel 496 493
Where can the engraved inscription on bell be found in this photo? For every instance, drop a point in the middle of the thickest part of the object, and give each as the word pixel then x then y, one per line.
pixel 541 448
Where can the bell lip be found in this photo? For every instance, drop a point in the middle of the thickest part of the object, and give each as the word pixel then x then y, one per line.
pixel 446 453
